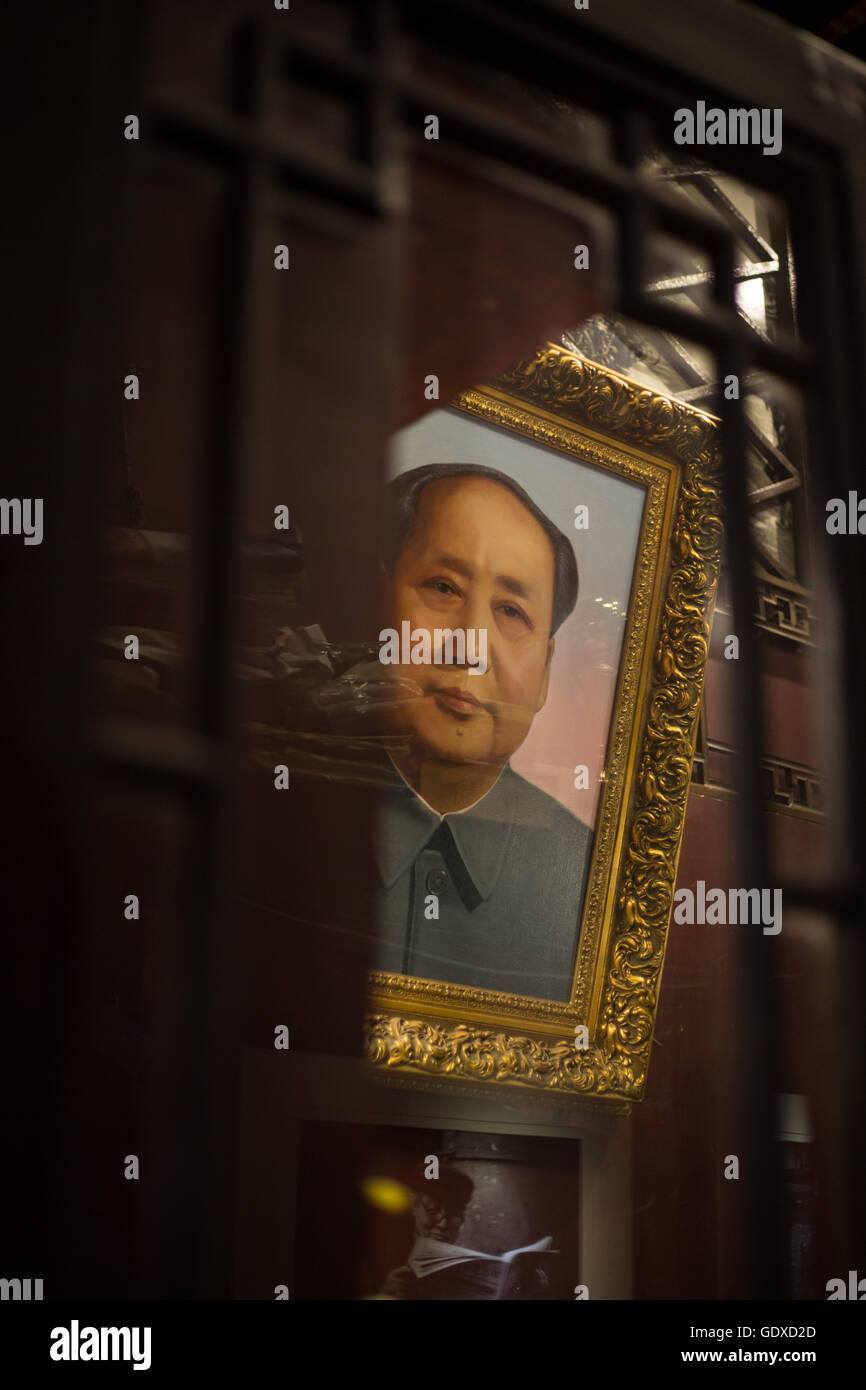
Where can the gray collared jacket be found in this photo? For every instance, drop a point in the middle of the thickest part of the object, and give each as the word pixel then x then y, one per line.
pixel 489 897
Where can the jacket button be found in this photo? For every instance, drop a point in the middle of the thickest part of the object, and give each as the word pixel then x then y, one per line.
pixel 437 881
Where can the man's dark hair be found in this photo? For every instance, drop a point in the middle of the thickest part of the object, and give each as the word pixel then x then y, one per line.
pixel 452 1189
pixel 404 491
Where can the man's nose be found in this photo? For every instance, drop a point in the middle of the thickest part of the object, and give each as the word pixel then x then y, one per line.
pixel 474 610
pixel 475 613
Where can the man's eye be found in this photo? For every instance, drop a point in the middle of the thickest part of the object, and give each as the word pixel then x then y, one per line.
pixel 441 586
pixel 511 611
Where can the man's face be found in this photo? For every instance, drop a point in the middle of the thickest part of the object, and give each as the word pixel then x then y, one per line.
pixel 476 558
pixel 437 1219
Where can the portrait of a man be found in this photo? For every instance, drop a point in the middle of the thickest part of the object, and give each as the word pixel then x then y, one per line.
pixel 438 1210
pixel 447 772
pixel 441 1214
pixel 482 873
pixel 437 1268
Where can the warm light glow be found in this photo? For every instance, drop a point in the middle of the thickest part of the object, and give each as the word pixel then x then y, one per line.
pixel 387 1194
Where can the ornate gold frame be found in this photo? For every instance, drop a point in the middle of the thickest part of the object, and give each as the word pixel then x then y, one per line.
pixel 420 1028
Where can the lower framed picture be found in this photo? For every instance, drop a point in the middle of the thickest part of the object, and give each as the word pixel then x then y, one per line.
pixel 444 1214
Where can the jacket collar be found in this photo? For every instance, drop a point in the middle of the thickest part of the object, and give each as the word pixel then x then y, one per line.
pixel 480 834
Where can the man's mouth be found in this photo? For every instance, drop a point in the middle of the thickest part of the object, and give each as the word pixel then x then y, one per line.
pixel 457 701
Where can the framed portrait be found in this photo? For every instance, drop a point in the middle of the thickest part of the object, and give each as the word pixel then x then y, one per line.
pixel 444 1215
pixel 552 547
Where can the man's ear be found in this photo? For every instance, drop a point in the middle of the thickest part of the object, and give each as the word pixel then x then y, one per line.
pixel 545 681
